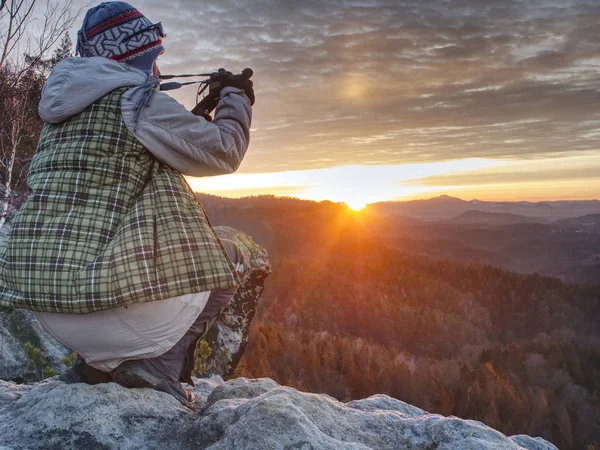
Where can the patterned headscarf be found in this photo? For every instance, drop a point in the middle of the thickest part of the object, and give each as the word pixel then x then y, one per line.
pixel 118 31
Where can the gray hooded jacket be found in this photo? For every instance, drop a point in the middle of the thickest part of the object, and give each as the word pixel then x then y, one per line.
pixel 176 137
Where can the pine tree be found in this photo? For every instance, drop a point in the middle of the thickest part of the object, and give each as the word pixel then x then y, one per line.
pixel 63 51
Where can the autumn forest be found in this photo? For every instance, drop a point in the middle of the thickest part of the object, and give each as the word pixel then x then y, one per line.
pixel 348 313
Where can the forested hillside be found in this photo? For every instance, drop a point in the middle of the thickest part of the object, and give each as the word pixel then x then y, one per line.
pixel 568 249
pixel 346 314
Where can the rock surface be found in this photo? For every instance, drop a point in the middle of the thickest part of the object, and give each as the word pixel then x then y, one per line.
pixel 17 328
pixel 238 414
pixel 226 339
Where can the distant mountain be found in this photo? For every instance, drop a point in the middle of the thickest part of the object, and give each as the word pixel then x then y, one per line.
pixel 437 208
pixel 487 218
pixel 589 222
pixel 520 243
pixel 446 207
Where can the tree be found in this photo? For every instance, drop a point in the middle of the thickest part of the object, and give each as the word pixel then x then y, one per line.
pixel 24 43
pixel 62 51
pixel 24 40
pixel 18 134
pixel 37 362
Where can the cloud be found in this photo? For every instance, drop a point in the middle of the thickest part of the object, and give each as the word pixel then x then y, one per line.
pixel 357 183
pixel 577 170
pixel 343 82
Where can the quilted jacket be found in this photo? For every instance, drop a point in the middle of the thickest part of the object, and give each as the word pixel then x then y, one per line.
pixel 108 220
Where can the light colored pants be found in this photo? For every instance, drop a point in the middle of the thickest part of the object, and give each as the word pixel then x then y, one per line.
pixel 141 331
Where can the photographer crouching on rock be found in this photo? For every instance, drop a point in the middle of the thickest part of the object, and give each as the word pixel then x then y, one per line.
pixel 112 249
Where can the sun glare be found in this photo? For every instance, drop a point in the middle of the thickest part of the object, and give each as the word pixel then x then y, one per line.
pixel 356 205
pixel 355 185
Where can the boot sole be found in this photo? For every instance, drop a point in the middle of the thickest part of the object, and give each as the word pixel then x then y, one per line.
pixel 69 376
pixel 135 378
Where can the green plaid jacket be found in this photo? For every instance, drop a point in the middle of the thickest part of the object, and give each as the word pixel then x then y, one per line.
pixel 105 224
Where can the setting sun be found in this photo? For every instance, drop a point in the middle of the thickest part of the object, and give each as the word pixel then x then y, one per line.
pixel 356 205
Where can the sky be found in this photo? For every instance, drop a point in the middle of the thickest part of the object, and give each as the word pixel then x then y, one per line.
pixel 369 100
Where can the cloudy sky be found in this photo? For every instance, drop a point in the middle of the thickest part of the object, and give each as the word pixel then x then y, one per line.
pixel 362 100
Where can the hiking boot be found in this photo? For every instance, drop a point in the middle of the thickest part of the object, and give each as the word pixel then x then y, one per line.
pixel 82 372
pixel 142 374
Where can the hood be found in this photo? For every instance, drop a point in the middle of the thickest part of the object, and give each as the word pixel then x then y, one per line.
pixel 76 83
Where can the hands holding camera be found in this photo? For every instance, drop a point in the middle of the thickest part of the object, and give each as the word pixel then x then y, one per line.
pixel 222 79
pixel 241 81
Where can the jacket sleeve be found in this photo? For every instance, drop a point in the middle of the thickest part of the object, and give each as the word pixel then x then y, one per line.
pixel 190 144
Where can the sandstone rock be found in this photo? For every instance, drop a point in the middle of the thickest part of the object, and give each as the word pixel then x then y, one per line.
pixel 13 360
pixel 203 389
pixel 238 414
pixel 532 443
pixel 10 392
pixel 18 327
pixel 228 337
pixel 385 402
pixel 58 416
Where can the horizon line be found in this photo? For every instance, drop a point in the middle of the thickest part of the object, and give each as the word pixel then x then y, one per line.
pixel 399 200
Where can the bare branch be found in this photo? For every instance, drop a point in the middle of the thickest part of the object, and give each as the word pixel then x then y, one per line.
pixel 23 48
pixel 19 16
pixel 23 40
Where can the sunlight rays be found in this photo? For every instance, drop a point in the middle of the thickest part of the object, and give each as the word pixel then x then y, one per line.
pixel 355 185
pixel 572 175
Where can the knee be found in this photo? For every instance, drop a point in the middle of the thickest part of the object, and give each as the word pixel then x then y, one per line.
pixel 235 255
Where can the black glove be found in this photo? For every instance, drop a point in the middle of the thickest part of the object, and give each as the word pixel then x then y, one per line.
pixel 242 81
pixel 208 103
pixel 219 80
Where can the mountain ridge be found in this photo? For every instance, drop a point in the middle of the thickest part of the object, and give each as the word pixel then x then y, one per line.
pixel 474 216
pixel 446 207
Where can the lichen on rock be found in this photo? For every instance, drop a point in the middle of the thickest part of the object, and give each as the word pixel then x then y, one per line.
pixel 18 328
pixel 225 342
pixel 238 414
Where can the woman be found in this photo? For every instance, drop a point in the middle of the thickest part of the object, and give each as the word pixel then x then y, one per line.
pixel 112 249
